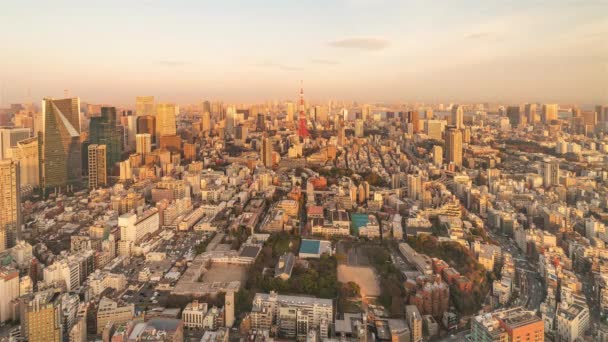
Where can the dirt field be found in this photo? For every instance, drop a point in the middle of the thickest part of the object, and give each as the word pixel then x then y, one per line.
pixel 224 273
pixel 362 275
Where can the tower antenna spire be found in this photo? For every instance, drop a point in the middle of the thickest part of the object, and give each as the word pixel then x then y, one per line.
pixel 302 129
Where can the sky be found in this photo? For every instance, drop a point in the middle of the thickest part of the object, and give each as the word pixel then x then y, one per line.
pixel 436 51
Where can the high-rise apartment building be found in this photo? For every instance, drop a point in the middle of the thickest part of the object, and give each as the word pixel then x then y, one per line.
pixel 166 124
pixel 143 143
pixel 550 172
pixel 453 146
pixel 9 137
pixel 144 105
pixel 10 203
pixel 59 143
pixel 97 166
pixel 457 117
pixel 414 187
pixel 266 152
pixel 414 321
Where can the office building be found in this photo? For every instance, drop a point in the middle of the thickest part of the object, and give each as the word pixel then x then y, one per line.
pixel 41 318
pixel 144 105
pixel 292 316
pixel 413 120
pixel 457 117
pixel 166 124
pixel 147 125
pixel 60 145
pixel 206 123
pixel 453 146
pixel 290 111
pixel 266 152
pixel 26 152
pixel 572 321
pixel 9 137
pixel 10 203
pixel 434 129
pixel 515 116
pixel 549 112
pixel 193 315
pixel 110 311
pixel 359 128
pixel 104 131
pixel 531 113
pixel 98 176
pixel 515 324
pixel 143 143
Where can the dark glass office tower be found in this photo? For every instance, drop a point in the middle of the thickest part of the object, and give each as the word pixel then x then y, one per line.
pixel 105 131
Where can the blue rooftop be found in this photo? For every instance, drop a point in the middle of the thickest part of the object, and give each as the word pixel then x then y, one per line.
pixel 310 246
pixel 359 220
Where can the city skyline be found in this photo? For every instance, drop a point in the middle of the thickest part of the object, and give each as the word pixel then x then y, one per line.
pixel 369 51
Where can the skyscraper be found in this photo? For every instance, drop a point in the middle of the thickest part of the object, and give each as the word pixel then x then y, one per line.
pixel 26 152
pixel 549 112
pixel 166 120
pixel 437 155
pixel 206 123
pixel 97 166
pixel 266 152
pixel 531 114
pixel 143 143
pixel 515 117
pixel 10 203
pixel 550 172
pixel 453 144
pixel 144 105
pixel 434 128
pixel 59 143
pixel 147 124
pixel 413 119
pixel 290 111
pixel 457 116
pixel 9 136
pixel 104 131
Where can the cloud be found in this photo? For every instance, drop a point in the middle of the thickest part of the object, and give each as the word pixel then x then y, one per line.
pixel 275 65
pixel 170 63
pixel 361 43
pixel 324 61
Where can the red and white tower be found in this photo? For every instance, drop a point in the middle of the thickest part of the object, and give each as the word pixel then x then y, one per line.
pixel 302 130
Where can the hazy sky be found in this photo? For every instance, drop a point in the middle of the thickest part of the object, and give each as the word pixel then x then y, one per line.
pixel 367 50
